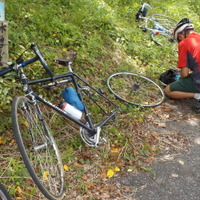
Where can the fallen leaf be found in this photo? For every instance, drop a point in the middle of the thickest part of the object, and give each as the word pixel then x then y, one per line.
pixel 12 142
pixel 162 125
pixel 149 159
pixel 1 140
pixel 85 177
pixel 78 165
pixel 45 175
pixel 181 162
pixel 66 168
pixel 25 123
pixel 140 119
pixel 19 192
pixel 110 173
pixel 117 169
pixel 90 184
pixel 115 150
pixel 175 175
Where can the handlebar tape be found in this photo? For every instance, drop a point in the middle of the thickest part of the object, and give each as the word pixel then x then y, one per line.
pixel 5 71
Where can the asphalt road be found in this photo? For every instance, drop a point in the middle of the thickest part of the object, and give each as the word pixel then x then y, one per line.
pixel 175 175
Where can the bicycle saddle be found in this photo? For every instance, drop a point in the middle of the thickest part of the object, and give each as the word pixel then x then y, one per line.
pixel 64 61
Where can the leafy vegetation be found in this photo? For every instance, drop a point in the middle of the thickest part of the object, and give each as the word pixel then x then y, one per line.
pixel 106 38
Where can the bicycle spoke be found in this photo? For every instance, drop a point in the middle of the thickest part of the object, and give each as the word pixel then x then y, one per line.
pixel 135 89
pixel 38 148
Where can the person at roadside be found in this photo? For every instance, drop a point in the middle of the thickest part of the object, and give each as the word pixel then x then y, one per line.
pixel 188 86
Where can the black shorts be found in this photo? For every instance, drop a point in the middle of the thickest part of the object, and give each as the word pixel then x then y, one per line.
pixel 184 85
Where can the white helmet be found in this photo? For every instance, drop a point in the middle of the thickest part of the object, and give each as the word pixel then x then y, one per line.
pixel 184 24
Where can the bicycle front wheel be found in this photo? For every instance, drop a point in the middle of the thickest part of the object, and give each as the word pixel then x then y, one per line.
pixel 164 35
pixel 38 148
pixel 135 89
pixel 4 195
pixel 165 40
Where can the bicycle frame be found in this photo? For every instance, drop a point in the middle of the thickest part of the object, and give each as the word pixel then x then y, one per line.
pixel 69 77
pixel 159 24
pixel 36 140
pixel 157 28
pixel 91 128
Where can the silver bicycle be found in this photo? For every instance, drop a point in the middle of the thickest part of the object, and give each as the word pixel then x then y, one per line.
pixel 159 26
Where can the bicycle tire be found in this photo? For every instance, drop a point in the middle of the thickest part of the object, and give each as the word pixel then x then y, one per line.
pixel 165 21
pixel 38 148
pixel 164 40
pixel 161 38
pixel 4 195
pixel 135 89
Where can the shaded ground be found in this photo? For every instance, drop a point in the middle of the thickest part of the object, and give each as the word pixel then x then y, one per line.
pixel 175 174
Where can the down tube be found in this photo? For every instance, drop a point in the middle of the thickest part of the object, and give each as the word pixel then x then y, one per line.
pixel 60 111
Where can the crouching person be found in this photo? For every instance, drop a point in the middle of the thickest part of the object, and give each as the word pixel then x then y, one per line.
pixel 188 61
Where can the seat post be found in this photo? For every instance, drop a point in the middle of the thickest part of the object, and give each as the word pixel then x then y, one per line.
pixel 70 67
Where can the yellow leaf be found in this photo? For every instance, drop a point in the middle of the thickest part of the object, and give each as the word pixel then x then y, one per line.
pixel 115 150
pixel 45 175
pixel 117 169
pixel 64 49
pixel 12 142
pixel 1 140
pixel 110 173
pixel 26 124
pixel 140 119
pixel 66 168
pixel 19 191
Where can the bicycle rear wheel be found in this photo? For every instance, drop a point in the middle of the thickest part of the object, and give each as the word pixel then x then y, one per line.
pixel 38 148
pixel 135 89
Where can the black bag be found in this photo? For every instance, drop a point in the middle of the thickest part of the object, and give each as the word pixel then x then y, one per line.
pixel 169 76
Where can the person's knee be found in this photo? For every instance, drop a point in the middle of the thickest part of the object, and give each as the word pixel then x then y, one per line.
pixel 167 90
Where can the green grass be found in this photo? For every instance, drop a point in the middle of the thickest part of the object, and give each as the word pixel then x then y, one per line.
pixel 106 38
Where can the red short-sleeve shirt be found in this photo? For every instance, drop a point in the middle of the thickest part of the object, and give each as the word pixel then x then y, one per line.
pixel 189 56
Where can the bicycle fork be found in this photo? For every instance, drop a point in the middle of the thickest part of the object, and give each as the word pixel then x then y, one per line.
pixel 28 111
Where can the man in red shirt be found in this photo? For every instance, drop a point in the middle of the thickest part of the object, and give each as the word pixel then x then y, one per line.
pixel 188 62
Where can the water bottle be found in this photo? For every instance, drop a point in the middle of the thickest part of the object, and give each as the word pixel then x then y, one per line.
pixel 71 110
pixel 177 77
pixel 70 96
pixel 159 28
pixel 144 12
